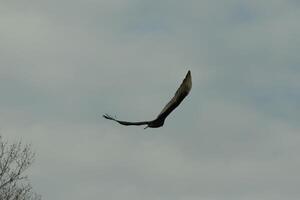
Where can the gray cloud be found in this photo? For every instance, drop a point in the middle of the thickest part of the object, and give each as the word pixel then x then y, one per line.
pixel 65 63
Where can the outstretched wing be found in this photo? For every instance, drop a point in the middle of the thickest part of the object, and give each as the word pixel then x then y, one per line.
pixel 180 94
pixel 106 116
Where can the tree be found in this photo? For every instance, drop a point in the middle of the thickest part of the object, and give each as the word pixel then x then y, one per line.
pixel 15 159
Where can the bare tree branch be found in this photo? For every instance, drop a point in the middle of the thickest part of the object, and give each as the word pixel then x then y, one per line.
pixel 15 159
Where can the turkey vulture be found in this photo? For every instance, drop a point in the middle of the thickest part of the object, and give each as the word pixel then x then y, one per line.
pixel 180 94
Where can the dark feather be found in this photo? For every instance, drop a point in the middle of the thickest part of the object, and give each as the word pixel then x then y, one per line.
pixel 180 94
pixel 106 116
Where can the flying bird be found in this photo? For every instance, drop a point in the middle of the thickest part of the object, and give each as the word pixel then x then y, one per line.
pixel 180 94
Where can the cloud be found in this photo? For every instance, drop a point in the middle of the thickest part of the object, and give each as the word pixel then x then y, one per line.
pixel 65 63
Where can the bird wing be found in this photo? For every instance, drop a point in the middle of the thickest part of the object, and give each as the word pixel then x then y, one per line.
pixel 180 94
pixel 106 116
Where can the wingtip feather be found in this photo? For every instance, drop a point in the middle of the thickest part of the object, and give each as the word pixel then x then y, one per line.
pixel 106 116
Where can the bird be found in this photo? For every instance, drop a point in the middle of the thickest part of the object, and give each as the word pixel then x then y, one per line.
pixel 183 90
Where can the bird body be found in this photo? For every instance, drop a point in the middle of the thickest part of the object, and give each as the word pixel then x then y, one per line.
pixel 180 94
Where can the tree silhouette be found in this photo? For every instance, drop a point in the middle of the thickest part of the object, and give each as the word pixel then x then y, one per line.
pixel 15 159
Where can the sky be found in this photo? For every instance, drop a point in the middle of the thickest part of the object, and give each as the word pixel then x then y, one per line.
pixel 236 136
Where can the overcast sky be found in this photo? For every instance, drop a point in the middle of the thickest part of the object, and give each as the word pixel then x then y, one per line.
pixel 236 136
